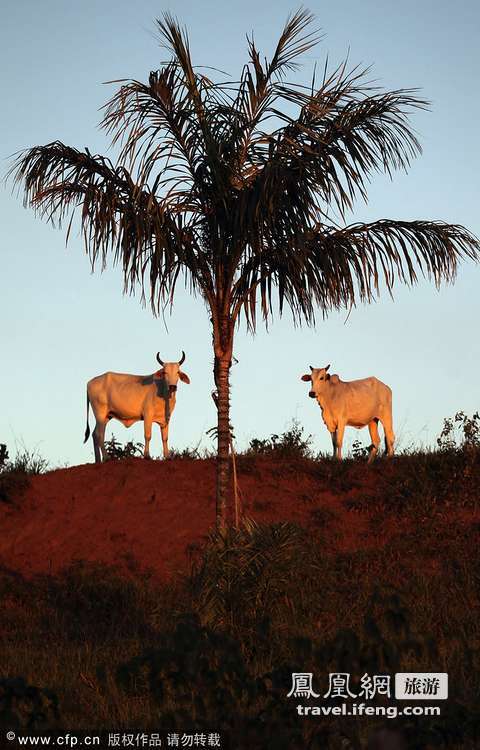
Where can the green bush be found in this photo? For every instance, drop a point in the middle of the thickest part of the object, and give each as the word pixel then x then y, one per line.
pixel 359 451
pixel 460 432
pixel 290 444
pixel 117 451
pixel 245 576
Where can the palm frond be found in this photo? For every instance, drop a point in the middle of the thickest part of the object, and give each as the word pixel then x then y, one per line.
pixel 294 41
pixel 341 136
pixel 333 268
pixel 117 216
pixel 176 40
pixel 257 87
pixel 353 262
pixel 153 125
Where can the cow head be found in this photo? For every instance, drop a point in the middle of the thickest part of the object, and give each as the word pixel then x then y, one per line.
pixel 317 378
pixel 171 373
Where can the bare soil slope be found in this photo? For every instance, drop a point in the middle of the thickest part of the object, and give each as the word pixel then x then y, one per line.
pixel 150 516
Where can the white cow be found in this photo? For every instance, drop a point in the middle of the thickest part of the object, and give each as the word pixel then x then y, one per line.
pixel 357 403
pixel 132 398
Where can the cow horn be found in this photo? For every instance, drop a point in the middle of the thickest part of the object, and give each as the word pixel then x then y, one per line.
pixel 182 360
pixel 160 361
pixel 310 366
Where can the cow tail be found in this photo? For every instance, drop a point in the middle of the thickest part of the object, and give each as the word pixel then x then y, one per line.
pixel 87 431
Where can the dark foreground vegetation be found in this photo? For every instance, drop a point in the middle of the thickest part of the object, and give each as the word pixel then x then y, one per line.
pixel 214 650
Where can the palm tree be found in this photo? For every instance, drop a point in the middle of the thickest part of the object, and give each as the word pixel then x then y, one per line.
pixel 230 187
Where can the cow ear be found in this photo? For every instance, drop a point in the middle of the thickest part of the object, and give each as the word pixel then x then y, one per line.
pixel 306 377
pixel 327 368
pixel 184 378
pixel 159 374
pixel 328 376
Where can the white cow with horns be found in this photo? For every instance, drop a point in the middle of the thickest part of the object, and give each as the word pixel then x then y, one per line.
pixel 357 403
pixel 132 398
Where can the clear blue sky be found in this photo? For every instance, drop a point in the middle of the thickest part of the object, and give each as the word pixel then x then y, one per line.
pixel 60 325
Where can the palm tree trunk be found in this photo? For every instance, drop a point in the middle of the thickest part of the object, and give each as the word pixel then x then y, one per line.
pixel 223 332
pixel 222 367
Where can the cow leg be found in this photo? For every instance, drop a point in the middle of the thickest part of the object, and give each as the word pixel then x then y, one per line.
pixel 147 425
pixel 98 442
pixel 164 430
pixel 96 449
pixel 389 434
pixel 339 433
pixel 375 438
pixel 334 443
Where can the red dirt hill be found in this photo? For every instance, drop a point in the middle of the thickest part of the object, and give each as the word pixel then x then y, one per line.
pixel 148 516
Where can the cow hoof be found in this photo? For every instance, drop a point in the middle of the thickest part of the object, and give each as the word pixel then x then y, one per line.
pixel 147 458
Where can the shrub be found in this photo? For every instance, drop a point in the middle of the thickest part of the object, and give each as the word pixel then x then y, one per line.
pixel 28 462
pixel 247 572
pixel 359 451
pixel 25 462
pixel 14 474
pixel 3 455
pixel 116 451
pixel 460 432
pixel 292 444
